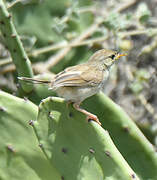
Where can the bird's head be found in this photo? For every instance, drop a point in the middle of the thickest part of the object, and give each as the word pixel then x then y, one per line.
pixel 105 58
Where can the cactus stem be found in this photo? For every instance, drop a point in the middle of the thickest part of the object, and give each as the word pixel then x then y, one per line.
pixel 24 68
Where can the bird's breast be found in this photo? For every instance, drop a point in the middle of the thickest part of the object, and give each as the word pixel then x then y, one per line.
pixel 76 94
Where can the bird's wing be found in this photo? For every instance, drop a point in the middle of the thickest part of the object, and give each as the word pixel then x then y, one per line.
pixel 80 75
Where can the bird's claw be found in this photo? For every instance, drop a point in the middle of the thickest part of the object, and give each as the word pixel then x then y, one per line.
pixel 93 117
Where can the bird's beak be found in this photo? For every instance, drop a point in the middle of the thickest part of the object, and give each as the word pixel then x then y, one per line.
pixel 120 55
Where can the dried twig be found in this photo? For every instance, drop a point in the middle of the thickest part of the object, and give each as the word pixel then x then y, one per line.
pixel 53 60
pixel 147 106
pixel 138 32
pixel 5 61
pixel 40 67
pixel 8 68
pixel 64 45
pixel 13 3
pixel 37 68
pixel 149 48
pixel 126 5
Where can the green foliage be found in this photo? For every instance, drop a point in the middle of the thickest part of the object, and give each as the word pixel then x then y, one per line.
pixel 141 76
pixel 53 23
pixel 50 22
pixel 13 43
pixel 114 23
pixel 143 13
pixel 39 17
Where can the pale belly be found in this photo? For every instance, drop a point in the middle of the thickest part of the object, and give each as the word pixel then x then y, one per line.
pixel 77 94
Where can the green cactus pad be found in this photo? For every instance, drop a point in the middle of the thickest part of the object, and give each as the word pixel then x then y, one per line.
pixel 14 45
pixel 20 155
pixel 135 148
pixel 79 150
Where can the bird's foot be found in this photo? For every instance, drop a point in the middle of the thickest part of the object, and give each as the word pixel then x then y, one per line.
pixel 93 117
pixel 88 114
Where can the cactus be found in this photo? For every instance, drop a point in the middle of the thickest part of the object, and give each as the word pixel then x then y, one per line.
pixel 20 156
pixel 13 43
pixel 77 149
pixel 74 148
pixel 135 148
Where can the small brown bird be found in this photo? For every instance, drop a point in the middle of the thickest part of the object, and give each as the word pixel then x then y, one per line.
pixel 79 82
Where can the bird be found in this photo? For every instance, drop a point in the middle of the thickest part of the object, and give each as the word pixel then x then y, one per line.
pixel 76 83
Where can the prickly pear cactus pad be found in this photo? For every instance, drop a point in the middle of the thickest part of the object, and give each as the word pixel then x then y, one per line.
pixel 79 150
pixel 20 156
pixel 135 148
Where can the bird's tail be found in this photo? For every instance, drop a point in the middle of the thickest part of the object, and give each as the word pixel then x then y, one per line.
pixel 34 81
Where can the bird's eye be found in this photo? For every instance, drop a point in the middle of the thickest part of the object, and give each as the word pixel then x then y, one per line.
pixel 112 56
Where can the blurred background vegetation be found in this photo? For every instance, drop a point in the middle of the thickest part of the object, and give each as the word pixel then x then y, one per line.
pixel 61 33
